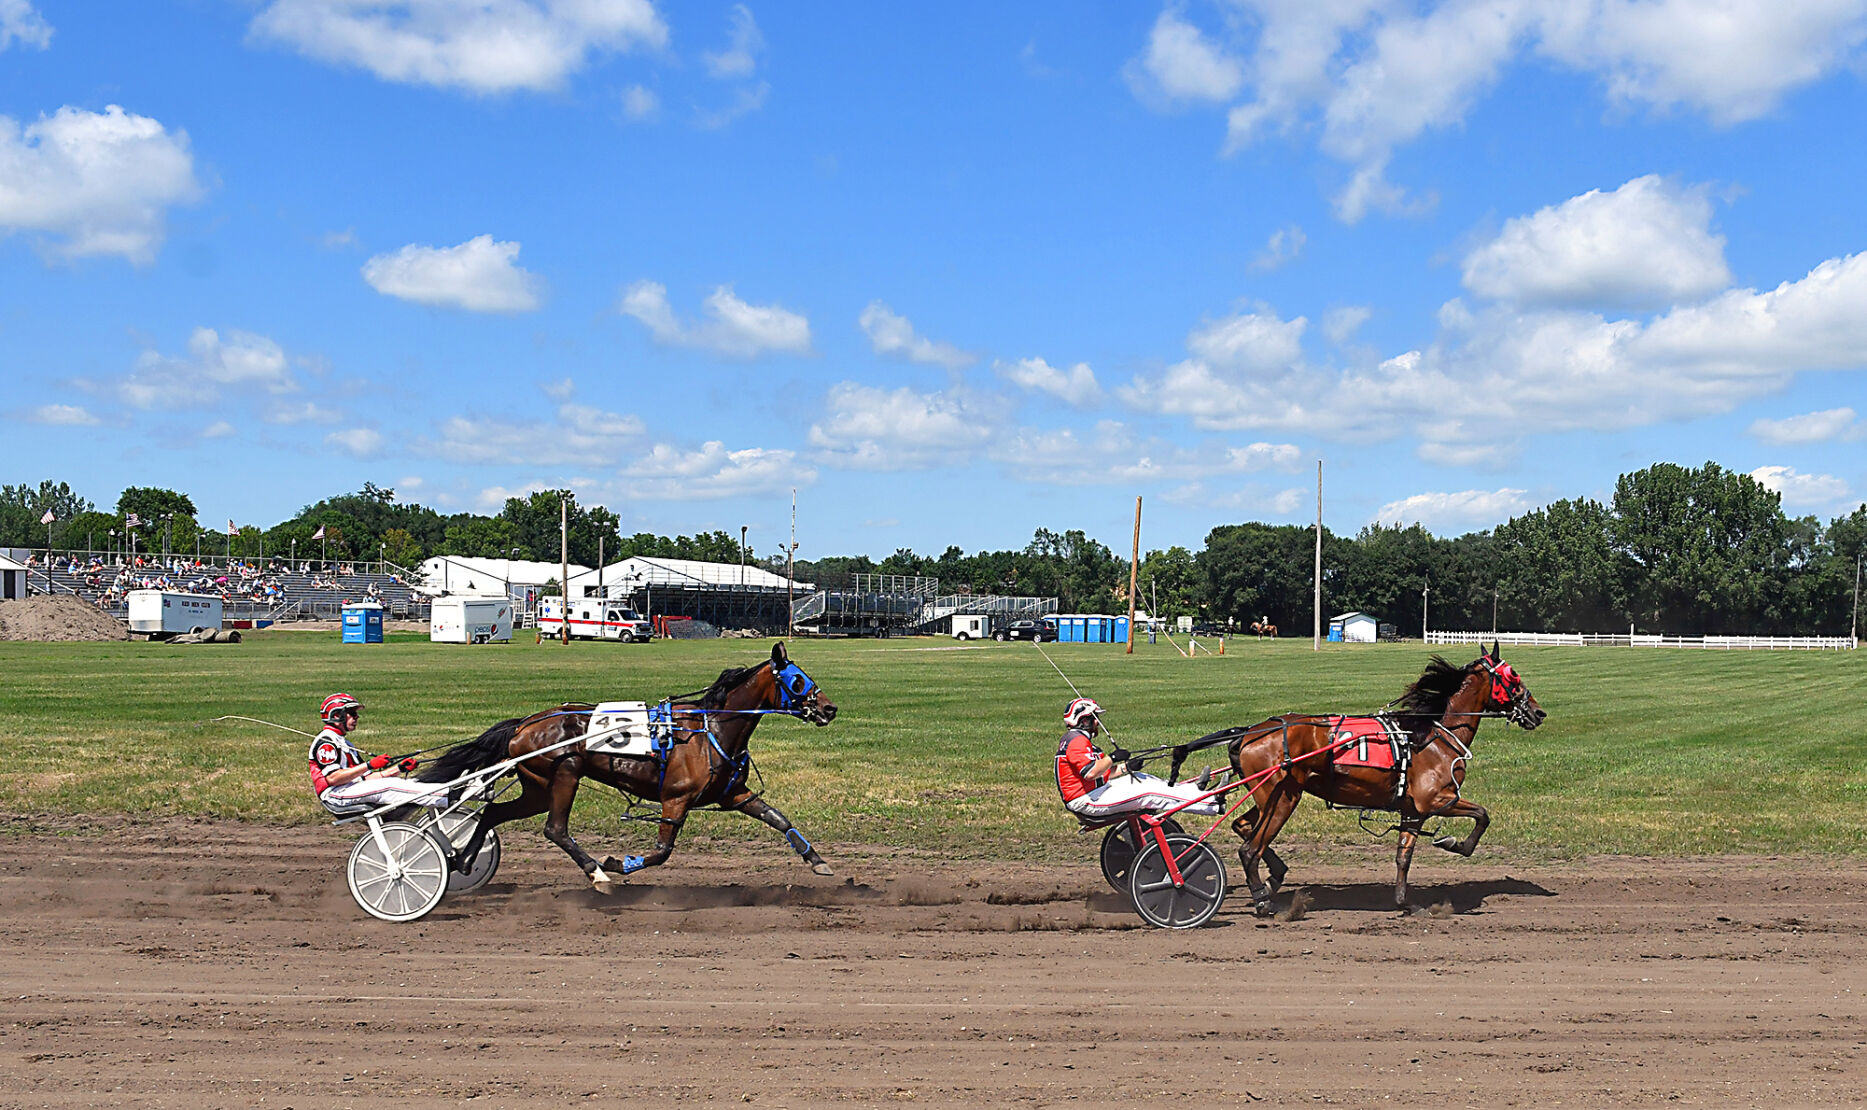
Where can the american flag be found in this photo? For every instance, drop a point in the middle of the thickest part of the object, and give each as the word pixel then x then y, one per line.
pixel 47 518
pixel 319 534
pixel 132 521
pixel 231 530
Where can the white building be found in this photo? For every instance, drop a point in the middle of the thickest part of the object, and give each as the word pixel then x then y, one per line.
pixel 642 572
pixel 1354 628
pixel 12 579
pixel 458 574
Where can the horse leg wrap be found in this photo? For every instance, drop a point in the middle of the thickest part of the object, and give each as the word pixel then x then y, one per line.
pixel 632 864
pixel 798 844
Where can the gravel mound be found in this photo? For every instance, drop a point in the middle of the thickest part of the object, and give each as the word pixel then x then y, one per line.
pixel 692 630
pixel 58 619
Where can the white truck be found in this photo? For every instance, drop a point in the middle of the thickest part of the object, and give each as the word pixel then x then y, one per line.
pixel 470 620
pixel 594 619
pixel 160 614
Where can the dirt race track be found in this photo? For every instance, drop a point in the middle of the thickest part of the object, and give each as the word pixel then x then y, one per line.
pixel 199 964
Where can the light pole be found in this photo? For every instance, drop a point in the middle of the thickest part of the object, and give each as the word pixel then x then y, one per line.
pixel 742 555
pixel 1423 621
pixel 294 556
pixel 168 532
pixel 1494 612
pixel 382 548
pixel 1854 622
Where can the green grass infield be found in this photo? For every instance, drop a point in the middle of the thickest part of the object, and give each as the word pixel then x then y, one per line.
pixel 947 748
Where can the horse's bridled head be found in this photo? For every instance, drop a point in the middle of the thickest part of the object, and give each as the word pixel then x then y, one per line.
pixel 1509 693
pixel 798 692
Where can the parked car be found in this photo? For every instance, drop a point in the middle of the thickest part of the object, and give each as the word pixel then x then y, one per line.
pixel 1039 631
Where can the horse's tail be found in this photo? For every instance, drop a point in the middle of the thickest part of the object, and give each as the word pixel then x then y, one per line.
pixel 490 748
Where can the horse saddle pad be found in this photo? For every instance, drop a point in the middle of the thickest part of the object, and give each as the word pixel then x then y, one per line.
pixel 620 728
pixel 1368 742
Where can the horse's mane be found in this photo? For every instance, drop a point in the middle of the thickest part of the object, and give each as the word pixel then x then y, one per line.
pixel 714 696
pixel 1425 701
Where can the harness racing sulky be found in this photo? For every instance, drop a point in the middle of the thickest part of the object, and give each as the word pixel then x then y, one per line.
pixel 685 753
pixel 1409 760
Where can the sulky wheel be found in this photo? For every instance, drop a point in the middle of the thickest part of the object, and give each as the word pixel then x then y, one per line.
pixel 457 826
pixel 1118 851
pixel 1188 905
pixel 398 872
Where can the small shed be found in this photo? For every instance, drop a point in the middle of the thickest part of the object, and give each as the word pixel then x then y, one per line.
pixel 1352 628
pixel 12 580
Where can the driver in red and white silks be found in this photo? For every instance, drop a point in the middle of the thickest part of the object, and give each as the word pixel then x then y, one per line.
pixel 1093 784
pixel 345 782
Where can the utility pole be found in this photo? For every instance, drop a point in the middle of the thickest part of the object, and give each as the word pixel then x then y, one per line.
pixel 790 573
pixel 1423 623
pixel 564 562
pixel 1316 645
pixel 1134 570
pixel 1494 612
pixel 742 555
pixel 1854 622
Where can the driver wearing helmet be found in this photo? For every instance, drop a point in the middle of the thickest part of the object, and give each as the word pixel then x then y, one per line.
pixel 345 782
pixel 1097 786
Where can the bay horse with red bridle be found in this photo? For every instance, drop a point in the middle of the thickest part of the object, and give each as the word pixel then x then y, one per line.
pixel 706 763
pixel 1289 756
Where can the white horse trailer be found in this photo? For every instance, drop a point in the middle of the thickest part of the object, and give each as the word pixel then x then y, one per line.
pixel 972 626
pixel 160 614
pixel 471 620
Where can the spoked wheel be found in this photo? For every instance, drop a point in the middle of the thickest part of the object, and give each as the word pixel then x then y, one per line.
pixel 1119 848
pixel 457 826
pixel 407 880
pixel 1191 903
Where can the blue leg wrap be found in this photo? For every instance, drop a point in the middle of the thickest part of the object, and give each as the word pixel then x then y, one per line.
pixel 632 863
pixel 798 843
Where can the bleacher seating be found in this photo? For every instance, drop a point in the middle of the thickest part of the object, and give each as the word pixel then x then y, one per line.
pixel 293 594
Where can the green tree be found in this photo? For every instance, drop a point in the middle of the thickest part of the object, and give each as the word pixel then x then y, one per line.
pixel 1169 583
pixel 401 548
pixel 485 538
pixel 23 507
pixel 1558 570
pixel 1250 571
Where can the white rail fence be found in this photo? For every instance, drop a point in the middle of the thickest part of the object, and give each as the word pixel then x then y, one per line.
pixel 1708 643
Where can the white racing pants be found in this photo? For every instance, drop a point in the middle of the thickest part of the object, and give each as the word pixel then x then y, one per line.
pixel 1139 793
pixel 360 795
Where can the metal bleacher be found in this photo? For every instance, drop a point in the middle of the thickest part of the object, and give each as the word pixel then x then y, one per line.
pixel 297 597
pixel 888 604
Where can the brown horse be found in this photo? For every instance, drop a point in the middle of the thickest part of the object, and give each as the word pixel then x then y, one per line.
pixel 1262 628
pixel 707 764
pixel 1291 756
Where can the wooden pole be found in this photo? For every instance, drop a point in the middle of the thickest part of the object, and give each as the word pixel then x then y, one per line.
pixel 564 560
pixel 1317 630
pixel 1134 571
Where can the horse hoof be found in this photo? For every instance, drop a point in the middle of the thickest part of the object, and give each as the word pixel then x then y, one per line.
pixel 602 882
pixel 1264 908
pixel 822 869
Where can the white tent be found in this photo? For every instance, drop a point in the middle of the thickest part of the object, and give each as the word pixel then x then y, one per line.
pixel 460 574
pixel 645 572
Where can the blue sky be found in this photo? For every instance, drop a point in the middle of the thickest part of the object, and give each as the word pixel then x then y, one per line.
pixel 953 272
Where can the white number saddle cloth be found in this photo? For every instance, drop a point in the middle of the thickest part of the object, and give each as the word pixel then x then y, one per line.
pixel 620 728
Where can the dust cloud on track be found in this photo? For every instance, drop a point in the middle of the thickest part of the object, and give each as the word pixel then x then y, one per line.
pixel 191 964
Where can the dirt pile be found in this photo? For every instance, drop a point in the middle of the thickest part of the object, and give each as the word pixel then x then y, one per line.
pixel 62 619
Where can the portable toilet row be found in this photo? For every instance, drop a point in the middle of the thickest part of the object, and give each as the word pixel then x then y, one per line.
pixel 1089 628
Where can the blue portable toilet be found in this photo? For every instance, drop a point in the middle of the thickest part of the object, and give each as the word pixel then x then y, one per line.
pixel 1120 627
pixel 1070 630
pixel 363 623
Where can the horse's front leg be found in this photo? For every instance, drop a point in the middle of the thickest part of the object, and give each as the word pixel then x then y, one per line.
pixel 753 806
pixel 1481 820
pixel 1403 858
pixel 673 814
pixel 1272 861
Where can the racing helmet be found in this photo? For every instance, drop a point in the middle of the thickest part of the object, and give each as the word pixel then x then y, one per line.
pixel 1080 712
pixel 334 707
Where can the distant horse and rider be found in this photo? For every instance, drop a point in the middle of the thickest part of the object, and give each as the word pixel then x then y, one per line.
pixel 1263 627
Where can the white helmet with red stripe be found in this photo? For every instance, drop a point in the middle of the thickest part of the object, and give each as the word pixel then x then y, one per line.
pixel 1081 712
pixel 335 707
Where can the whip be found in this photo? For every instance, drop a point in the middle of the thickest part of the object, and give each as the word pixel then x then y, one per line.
pixel 1066 681
pixel 312 735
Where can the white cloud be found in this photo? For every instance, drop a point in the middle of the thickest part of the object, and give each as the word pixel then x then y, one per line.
pixel 560 390
pixel 1499 375
pixel 1805 492
pixel 581 434
pixel 1810 427
pixel 748 100
pixel 737 329
pixel 219 429
pixel 740 58
pixel 892 334
pixel 1283 246
pixel 1180 63
pixel 1461 511
pixel 868 428
pixel 1647 244
pixel 73 416
pixel 482 46
pixel 1250 342
pixel 493 498
pixel 1112 454
pixel 639 103
pixel 361 442
pixel 96 183
pixel 668 473
pixel 19 23
pixel 1369 76
pixel 479 275
pixel 242 361
pixel 303 412
pixel 1339 325
pixel 1076 386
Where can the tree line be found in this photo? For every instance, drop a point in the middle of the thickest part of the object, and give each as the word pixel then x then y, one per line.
pixel 1677 550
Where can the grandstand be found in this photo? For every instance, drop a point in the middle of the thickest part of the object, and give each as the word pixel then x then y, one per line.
pixel 249 589
pixel 890 604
